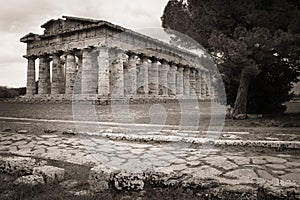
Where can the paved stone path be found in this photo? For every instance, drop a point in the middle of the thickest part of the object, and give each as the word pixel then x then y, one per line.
pixel 227 165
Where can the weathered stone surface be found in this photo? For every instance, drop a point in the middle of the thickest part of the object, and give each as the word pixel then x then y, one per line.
pixel 279 172
pixel 239 191
pixel 179 81
pixel 31 180
pixel 4 143
pixel 220 162
pixel 50 173
pixel 295 170
pixel 70 132
pixel 231 136
pixel 271 159
pixel 203 172
pixel 264 174
pixel 241 174
pixel 81 193
pixel 276 166
pixel 44 75
pixel 18 165
pixel 69 184
pixel 293 164
pixel 99 178
pixel 291 176
pixel 30 86
pixel 186 82
pixel 258 160
pixel 239 160
pixel 129 181
pixel 50 130
pixel 22 131
pixel 193 163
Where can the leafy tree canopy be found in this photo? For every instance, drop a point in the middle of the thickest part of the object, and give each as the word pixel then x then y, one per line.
pixel 259 38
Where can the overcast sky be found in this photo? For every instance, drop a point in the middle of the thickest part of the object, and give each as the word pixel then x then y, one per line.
pixel 19 17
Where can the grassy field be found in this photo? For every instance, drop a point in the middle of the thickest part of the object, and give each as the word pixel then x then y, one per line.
pixel 142 114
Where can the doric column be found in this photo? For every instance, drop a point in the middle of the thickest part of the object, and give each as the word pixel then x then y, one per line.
pixel 186 82
pixel 163 78
pixel 203 85
pixel 95 70
pixel 57 75
pixel 198 83
pixel 208 83
pixel 193 82
pixel 143 75
pixel 131 75
pixel 179 81
pixel 87 72
pixel 70 72
pixel 153 77
pixel 172 79
pixel 78 78
pixel 30 86
pixel 103 71
pixel 118 77
pixel 44 75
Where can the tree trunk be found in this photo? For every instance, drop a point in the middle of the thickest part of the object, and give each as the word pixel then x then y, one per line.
pixel 240 105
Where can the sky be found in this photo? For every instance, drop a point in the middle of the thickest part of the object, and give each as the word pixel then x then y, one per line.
pixel 19 17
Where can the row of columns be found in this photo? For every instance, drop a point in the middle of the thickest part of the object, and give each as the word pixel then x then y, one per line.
pixel 115 74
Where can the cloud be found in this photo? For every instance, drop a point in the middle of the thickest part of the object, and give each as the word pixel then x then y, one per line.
pixel 17 18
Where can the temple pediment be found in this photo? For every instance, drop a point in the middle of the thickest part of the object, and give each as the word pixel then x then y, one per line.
pixel 29 37
pixel 67 24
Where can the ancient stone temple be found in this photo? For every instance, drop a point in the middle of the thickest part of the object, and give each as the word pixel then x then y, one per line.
pixel 87 57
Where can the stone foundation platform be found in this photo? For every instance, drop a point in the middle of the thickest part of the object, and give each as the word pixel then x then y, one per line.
pixel 96 99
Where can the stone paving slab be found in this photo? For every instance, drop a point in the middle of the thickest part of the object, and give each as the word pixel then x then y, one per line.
pixel 226 165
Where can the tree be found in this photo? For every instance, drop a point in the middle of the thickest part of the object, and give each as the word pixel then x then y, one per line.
pixel 255 43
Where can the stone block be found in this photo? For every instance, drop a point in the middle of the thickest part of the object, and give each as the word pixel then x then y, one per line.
pixel 19 165
pixel 241 174
pixel 99 178
pixel 291 176
pixel 70 132
pixel 129 181
pixel 50 173
pixel 264 174
pixel 22 131
pixel 31 180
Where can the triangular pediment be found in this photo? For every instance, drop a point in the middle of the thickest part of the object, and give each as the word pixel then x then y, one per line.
pixel 66 24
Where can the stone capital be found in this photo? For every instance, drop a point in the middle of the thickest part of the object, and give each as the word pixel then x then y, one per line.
pixel 57 55
pixel 32 57
pixel 153 59
pixel 70 52
pixel 87 49
pixel 165 66
pixel 180 68
pixel 193 70
pixel 186 69
pixel 133 59
pixel 164 61
pixel 46 57
pixel 144 58
pixel 173 67
pixel 113 50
